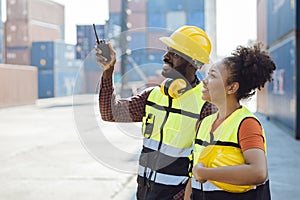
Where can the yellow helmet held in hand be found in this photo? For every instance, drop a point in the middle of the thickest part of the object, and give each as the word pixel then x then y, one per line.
pixel 191 41
pixel 214 156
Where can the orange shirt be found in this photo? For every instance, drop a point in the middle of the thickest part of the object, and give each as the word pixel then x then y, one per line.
pixel 250 134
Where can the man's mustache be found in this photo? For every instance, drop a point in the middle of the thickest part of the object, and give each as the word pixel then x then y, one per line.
pixel 168 62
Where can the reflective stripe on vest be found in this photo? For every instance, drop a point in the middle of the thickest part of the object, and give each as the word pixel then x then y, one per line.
pixel 166 149
pixel 165 179
pixel 207 186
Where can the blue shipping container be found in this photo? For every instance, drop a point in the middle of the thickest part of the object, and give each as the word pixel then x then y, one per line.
pixel 51 54
pixel 282 90
pixel 195 5
pixel 45 83
pixel 157 19
pixel 281 16
pixel 196 18
pixel 157 5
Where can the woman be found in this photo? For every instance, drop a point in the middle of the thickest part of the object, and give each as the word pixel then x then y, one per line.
pixel 230 148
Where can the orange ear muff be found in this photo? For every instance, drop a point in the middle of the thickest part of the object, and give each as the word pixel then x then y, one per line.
pixel 173 87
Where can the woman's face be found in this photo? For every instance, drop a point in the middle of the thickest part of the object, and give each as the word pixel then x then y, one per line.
pixel 214 89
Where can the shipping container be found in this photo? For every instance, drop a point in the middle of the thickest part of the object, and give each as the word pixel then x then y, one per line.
pixel 262 95
pixel 195 5
pixel 156 19
pixel 23 32
pixel 157 6
pixel 91 80
pixel 2 44
pixel 175 19
pixel 115 5
pixel 86 39
pixel 281 19
pixel 67 81
pixel 52 54
pixel 137 6
pixel 176 5
pixel 45 83
pixel 59 82
pixel 153 36
pixel 137 20
pixel 38 10
pixel 137 40
pixel 18 85
pixel 17 55
pixel 282 90
pixel 196 18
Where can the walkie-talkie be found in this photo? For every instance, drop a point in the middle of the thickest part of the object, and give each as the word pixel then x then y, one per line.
pixel 101 44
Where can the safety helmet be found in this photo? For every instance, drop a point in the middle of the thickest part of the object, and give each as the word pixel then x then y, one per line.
pixel 191 41
pixel 214 156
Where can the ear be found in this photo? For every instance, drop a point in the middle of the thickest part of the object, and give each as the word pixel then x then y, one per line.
pixel 233 88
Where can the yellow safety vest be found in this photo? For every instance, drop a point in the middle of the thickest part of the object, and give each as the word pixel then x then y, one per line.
pixel 223 143
pixel 169 132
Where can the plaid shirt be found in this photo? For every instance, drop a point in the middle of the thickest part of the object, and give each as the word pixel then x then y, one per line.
pixel 130 109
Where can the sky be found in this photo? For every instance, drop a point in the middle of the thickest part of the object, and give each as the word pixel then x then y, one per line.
pixel 236 20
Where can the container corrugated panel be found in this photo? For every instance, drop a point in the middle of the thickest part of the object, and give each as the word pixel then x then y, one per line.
pixel 176 5
pixel 196 18
pixel 138 40
pixel 35 10
pixel 115 5
pixel 157 19
pixel 16 9
pixel 45 83
pixel 157 6
pixel 175 19
pixel 51 54
pixel 137 6
pixel 195 5
pixel 89 63
pixel 86 39
pixel 281 19
pixel 153 39
pixel 115 18
pixel 43 11
pixel 18 85
pixel 17 33
pixel 45 32
pixel 91 81
pixel 262 21
pixel 137 20
pixel 281 91
pixel 17 55
pixel 2 45
pixel 67 81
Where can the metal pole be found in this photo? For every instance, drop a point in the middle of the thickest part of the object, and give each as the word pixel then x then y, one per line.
pixel 123 44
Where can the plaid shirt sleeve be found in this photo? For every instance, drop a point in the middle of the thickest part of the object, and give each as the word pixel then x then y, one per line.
pixel 130 109
pixel 207 110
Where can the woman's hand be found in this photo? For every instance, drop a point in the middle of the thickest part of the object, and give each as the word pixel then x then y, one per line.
pixel 198 171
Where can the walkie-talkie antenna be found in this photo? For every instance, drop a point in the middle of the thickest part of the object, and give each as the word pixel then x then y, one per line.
pixel 97 39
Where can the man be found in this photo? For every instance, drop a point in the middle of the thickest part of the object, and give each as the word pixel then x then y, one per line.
pixel 169 113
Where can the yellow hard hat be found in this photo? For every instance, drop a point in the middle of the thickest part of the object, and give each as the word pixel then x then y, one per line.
pixel 218 156
pixel 191 41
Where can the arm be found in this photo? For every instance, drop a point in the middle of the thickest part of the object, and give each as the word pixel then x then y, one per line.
pixel 188 190
pixel 130 109
pixel 253 172
pixel 124 110
pixel 207 110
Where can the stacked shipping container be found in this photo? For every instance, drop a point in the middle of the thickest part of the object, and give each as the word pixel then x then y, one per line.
pixel 29 21
pixel 59 74
pixel 282 44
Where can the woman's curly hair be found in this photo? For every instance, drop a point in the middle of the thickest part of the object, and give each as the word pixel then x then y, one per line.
pixel 251 67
